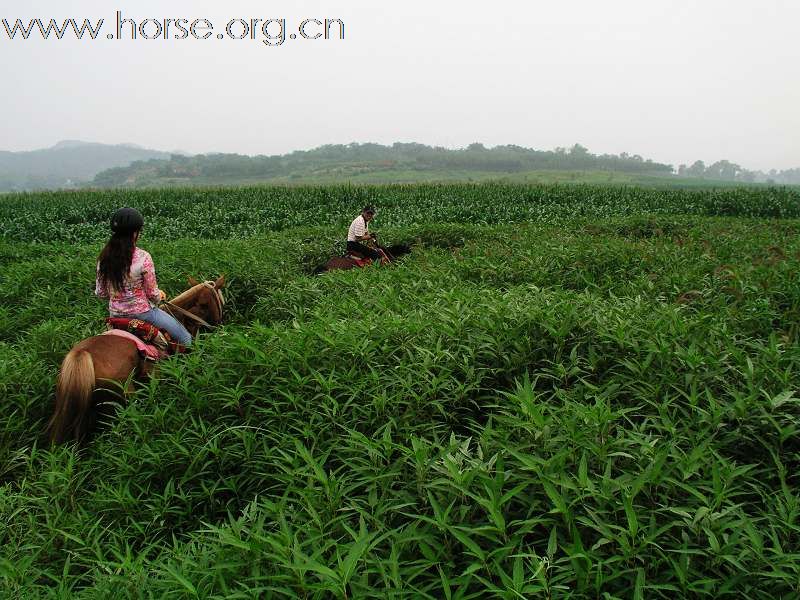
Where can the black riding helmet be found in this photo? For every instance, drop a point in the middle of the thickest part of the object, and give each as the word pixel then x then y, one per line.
pixel 126 220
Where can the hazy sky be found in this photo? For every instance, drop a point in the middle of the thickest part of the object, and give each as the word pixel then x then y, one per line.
pixel 671 80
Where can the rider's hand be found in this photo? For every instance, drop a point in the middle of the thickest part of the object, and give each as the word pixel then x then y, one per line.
pixel 163 295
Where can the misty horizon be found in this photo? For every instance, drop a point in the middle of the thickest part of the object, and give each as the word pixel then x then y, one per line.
pixel 672 82
pixel 61 144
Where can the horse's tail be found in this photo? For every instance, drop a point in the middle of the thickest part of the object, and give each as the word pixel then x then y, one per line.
pixel 73 397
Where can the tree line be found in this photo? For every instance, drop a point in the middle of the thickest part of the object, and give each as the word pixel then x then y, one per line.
pixel 412 156
pixel 354 157
pixel 727 171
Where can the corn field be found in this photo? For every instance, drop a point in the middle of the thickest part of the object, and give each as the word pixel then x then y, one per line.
pixel 563 392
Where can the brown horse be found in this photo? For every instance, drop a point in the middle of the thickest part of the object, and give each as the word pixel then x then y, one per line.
pixel 96 369
pixel 392 253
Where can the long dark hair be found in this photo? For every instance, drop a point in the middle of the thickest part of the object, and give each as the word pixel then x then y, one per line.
pixel 114 262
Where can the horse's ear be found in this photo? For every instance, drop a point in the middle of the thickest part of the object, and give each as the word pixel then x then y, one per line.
pixel 220 283
pixel 193 282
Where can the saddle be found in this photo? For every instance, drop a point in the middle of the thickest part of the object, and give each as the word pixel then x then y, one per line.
pixel 154 343
pixel 358 258
pixel 363 261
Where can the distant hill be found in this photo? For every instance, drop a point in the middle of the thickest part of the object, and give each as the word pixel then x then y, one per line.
pixel 69 163
pixel 373 163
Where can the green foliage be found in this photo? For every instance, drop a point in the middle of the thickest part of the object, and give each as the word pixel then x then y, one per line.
pixel 589 393
pixel 225 213
pixel 374 161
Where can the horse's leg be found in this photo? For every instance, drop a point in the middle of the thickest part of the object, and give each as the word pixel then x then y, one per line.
pixel 110 395
pixel 146 369
pixel 119 365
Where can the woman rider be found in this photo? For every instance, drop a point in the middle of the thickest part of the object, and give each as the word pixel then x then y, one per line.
pixel 127 277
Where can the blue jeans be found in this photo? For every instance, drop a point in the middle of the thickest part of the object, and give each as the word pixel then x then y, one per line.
pixel 156 316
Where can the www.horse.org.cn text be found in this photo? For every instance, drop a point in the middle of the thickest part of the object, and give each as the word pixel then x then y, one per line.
pixel 270 32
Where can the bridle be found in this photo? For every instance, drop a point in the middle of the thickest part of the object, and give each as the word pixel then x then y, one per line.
pixel 170 306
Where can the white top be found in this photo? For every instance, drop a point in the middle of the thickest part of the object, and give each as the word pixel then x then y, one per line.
pixel 358 228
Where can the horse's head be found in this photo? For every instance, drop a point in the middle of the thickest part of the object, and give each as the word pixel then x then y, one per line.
pixel 399 250
pixel 201 304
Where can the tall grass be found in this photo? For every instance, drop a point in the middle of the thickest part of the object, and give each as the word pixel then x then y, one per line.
pixel 594 410
pixel 225 213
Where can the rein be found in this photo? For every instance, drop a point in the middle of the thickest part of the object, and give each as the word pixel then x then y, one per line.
pixel 170 305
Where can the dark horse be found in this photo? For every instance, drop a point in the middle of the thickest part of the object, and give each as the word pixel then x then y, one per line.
pixel 97 368
pixel 349 262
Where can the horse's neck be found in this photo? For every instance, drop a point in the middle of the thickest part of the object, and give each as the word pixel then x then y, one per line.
pixel 187 301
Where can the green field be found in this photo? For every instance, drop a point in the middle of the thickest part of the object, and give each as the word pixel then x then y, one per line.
pixel 540 176
pixel 565 391
pixel 371 175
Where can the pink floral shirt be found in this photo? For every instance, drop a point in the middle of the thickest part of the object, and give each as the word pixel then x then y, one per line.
pixel 140 289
